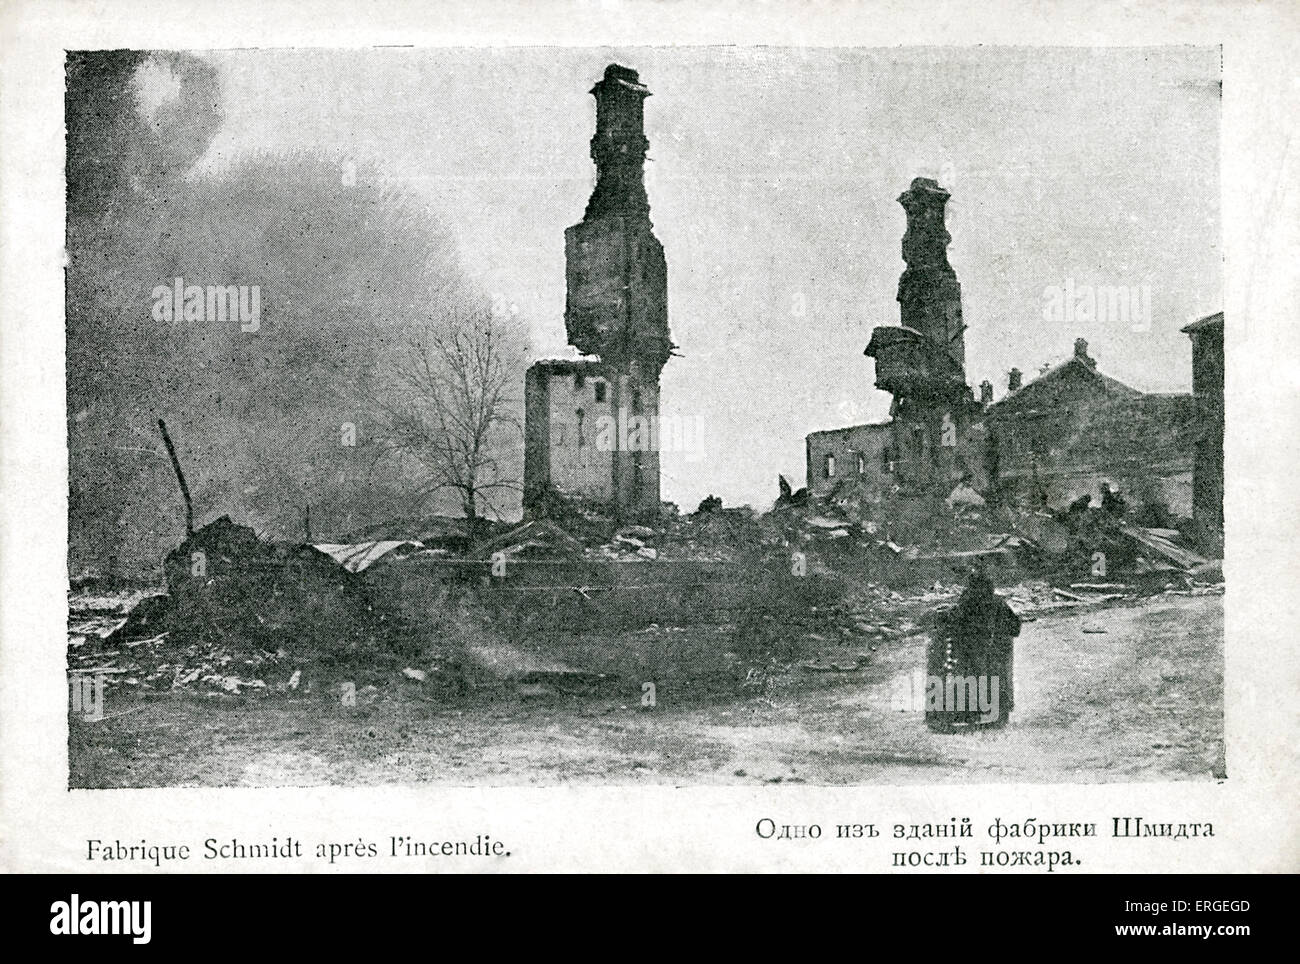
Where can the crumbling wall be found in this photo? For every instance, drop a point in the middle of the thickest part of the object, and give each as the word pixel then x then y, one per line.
pixel 537 437
pixel 862 455
pixel 591 433
pixel 929 294
pixel 1207 386
pixel 616 310
pixel 922 361
pixel 581 463
pixel 616 303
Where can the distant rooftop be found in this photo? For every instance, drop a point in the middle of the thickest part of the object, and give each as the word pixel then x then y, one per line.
pixel 1079 362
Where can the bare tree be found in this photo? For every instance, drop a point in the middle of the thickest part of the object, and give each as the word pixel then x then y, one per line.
pixel 451 411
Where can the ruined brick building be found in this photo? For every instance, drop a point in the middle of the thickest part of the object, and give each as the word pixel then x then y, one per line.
pixel 1207 470
pixel 922 361
pixel 855 459
pixel 616 317
pixel 1048 441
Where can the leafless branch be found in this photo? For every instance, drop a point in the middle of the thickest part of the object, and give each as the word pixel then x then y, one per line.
pixel 447 406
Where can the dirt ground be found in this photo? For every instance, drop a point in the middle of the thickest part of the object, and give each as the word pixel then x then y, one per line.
pixel 1137 696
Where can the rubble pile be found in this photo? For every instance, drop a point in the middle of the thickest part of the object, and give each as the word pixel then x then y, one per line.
pixel 721 535
pixel 136 656
pixel 228 585
pixel 713 534
pixel 95 618
pixel 240 616
pixel 539 539
pixel 436 535
pixel 630 544
pixel 1060 546
pixel 1094 541
pixel 883 536
pixel 158 664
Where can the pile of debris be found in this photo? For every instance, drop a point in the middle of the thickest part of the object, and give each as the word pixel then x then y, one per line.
pixel 158 664
pixel 1104 543
pixel 240 615
pixel 1079 542
pixel 537 539
pixel 736 534
pixel 630 544
pixel 437 536
pixel 227 584
pixel 99 618
pixel 714 534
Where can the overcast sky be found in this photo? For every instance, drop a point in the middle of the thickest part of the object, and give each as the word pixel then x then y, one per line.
pixel 773 178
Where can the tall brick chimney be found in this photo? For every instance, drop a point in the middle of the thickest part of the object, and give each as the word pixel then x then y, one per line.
pixel 616 278
pixel 986 393
pixel 922 363
pixel 928 291
pixel 619 145
pixel 1013 380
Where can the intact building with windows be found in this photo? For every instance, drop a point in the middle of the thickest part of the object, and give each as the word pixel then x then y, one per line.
pixel 1058 437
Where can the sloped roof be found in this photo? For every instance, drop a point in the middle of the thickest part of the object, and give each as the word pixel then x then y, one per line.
pixel 1147 429
pixel 1074 366
pixel 1113 434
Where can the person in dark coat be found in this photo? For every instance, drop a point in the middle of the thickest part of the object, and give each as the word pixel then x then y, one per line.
pixel 976 638
pixel 1112 501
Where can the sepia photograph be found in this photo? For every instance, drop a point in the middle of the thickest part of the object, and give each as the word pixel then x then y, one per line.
pixel 649 415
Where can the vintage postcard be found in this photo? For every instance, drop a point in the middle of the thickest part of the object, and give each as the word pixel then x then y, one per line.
pixel 818 430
